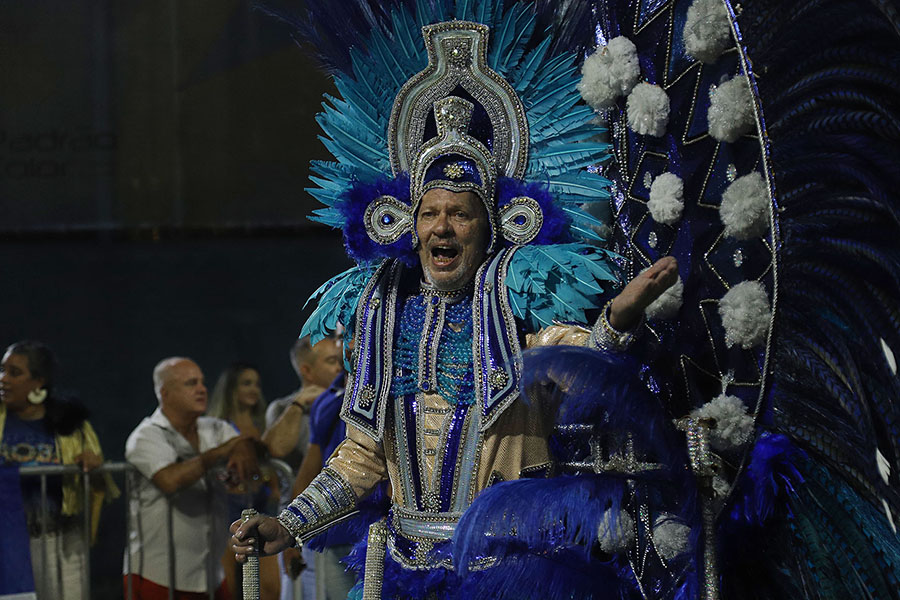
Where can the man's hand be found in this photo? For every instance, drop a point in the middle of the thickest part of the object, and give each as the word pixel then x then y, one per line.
pixel 626 308
pixel 260 532
pixel 307 395
pixel 242 458
pixel 88 461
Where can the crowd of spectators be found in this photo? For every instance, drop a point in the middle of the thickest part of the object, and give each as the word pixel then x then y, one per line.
pixel 197 461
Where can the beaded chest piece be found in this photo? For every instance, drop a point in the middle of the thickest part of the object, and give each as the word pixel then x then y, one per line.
pixel 465 350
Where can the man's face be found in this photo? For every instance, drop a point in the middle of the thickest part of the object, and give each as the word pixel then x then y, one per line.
pixel 326 364
pixel 184 392
pixel 453 234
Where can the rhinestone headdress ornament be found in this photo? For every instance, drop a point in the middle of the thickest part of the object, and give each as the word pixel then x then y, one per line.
pixel 432 99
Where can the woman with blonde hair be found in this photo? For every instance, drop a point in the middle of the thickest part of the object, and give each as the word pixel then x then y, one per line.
pixel 237 398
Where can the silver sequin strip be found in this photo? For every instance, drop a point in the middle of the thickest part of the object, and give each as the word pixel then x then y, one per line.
pixel 326 500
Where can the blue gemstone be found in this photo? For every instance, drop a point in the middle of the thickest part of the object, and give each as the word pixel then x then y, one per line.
pixel 519 220
pixel 425 386
pixel 387 219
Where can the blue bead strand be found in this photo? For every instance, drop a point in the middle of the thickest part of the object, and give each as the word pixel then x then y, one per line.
pixel 455 377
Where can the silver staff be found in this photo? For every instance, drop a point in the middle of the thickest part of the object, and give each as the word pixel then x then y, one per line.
pixel 251 567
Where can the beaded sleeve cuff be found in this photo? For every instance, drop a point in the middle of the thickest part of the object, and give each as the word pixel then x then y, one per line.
pixel 605 337
pixel 327 500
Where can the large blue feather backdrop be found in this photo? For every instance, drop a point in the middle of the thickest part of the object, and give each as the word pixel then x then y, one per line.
pixel 811 503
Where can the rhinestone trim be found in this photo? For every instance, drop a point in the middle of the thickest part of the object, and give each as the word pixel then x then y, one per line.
pixel 521 220
pixel 328 498
pixel 386 219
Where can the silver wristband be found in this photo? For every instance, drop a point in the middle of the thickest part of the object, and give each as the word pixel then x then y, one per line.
pixel 609 339
pixel 327 500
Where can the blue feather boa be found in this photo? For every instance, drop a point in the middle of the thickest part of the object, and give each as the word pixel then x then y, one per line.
pixel 360 194
pixel 771 477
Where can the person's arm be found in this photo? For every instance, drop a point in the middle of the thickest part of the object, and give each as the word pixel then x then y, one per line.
pixel 282 435
pixel 627 309
pixel 353 471
pixel 309 468
pixel 621 317
pixel 180 475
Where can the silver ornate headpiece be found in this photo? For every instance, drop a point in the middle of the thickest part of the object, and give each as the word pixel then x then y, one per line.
pixel 457 83
pixel 457 60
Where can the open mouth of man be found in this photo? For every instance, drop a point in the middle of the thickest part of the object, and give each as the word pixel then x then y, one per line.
pixel 443 256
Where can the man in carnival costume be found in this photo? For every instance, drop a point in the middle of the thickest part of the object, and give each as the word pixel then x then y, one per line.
pixel 459 257
pixel 775 352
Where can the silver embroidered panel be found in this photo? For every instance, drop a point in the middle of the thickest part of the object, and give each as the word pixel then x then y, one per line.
pixel 457 56
pixel 387 219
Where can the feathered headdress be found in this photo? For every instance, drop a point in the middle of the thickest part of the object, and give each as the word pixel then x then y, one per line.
pixel 480 101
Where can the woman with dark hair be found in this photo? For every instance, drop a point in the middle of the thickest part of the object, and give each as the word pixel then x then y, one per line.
pixel 237 398
pixel 38 427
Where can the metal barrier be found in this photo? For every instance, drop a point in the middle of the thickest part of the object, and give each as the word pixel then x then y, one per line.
pixel 285 477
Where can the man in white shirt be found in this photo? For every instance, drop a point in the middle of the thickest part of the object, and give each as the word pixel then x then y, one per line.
pixel 176 451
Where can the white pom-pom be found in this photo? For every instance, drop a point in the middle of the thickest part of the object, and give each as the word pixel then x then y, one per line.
pixel 670 536
pixel 609 73
pixel 730 113
pixel 733 425
pixel 648 109
pixel 666 199
pixel 707 30
pixel 616 531
pixel 745 314
pixel 745 207
pixel 668 304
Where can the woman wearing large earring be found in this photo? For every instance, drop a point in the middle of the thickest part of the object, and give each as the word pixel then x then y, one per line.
pixel 38 427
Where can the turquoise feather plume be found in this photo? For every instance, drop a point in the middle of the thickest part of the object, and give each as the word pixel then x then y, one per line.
pixel 545 283
pixel 559 283
pixel 563 138
pixel 337 299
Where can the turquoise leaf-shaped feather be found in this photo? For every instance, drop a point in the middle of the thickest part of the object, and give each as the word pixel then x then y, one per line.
pixel 509 39
pixel 561 282
pixel 337 299
pixel 523 77
pixel 582 186
pixel 566 158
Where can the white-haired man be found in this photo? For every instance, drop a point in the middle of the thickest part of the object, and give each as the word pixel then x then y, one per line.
pixel 175 451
